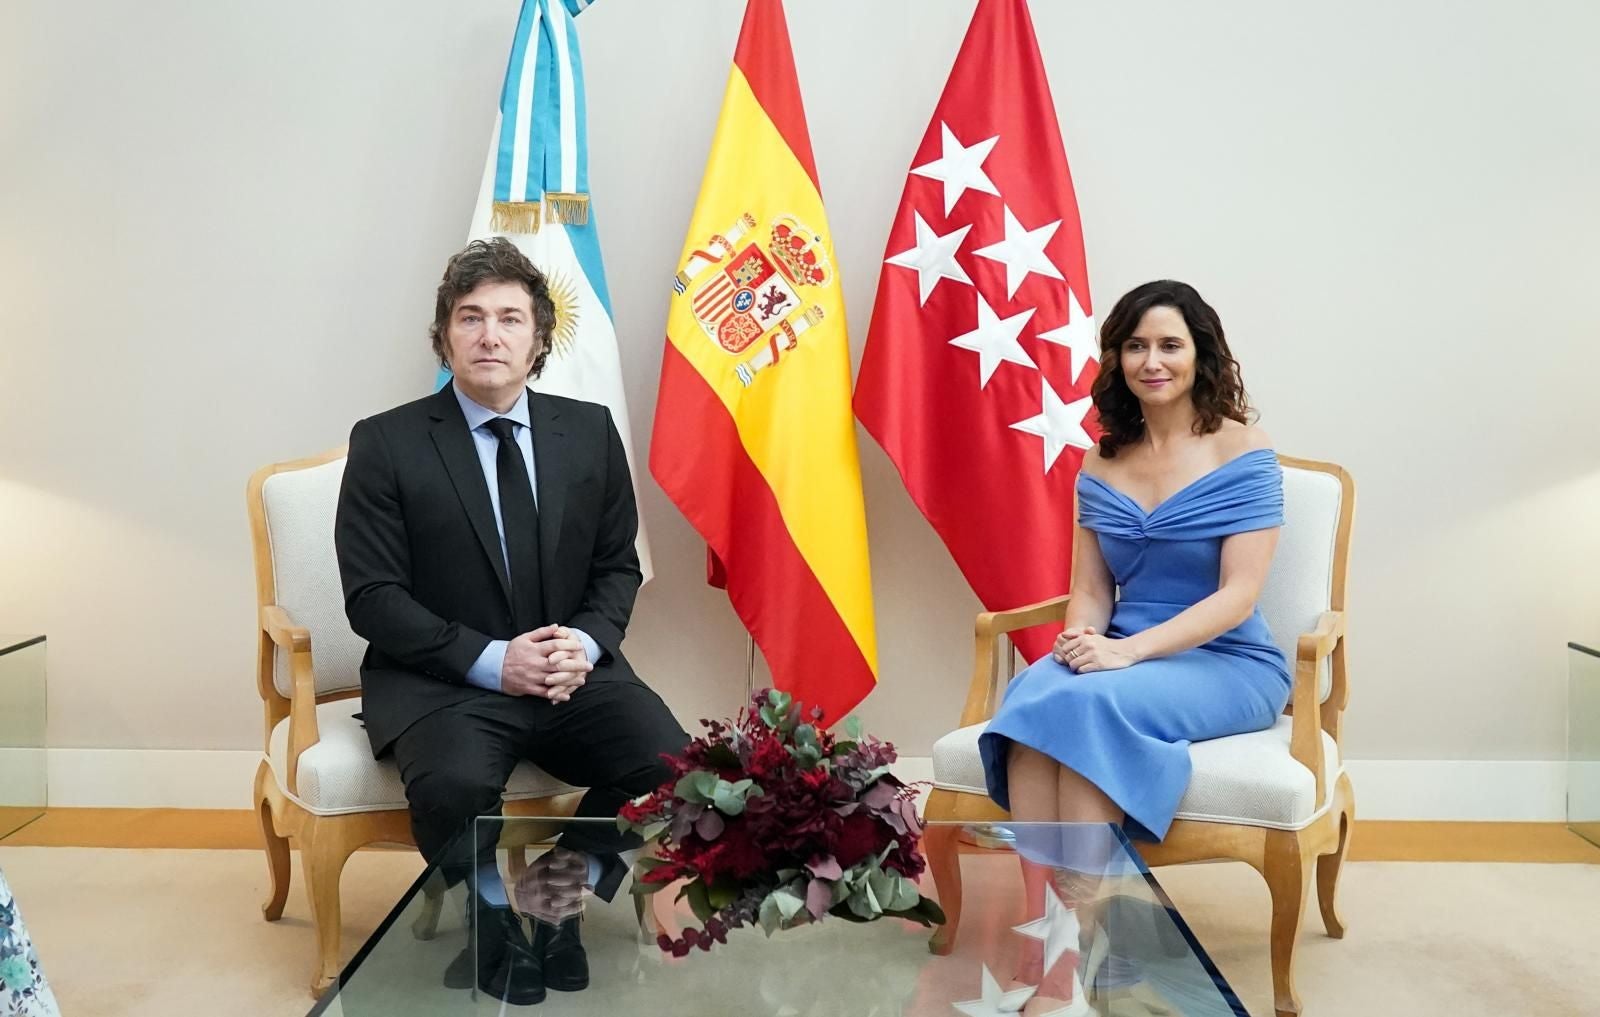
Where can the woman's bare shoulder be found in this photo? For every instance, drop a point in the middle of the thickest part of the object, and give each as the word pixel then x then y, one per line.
pixel 1093 463
pixel 1234 439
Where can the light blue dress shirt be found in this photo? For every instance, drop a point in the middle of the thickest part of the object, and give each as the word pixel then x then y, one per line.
pixel 485 671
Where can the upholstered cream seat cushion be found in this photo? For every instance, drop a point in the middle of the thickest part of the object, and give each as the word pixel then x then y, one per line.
pixel 338 774
pixel 1249 779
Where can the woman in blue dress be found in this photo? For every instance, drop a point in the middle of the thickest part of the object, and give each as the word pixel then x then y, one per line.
pixel 1179 508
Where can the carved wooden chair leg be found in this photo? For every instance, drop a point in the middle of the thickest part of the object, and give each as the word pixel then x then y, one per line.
pixel 426 924
pixel 278 868
pixel 1288 871
pixel 323 852
pixel 944 862
pixel 1329 866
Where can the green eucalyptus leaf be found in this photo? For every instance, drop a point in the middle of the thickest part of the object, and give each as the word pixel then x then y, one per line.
pixel 654 831
pixel 729 798
pixel 789 903
pixel 864 904
pixel 881 884
pixel 904 895
pixel 874 773
pixel 769 916
pixel 695 786
pixel 722 894
pixel 699 900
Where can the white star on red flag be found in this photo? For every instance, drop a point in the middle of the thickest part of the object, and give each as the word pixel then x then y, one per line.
pixel 1077 335
pixel 988 203
pixel 1022 251
pixel 994 340
pixel 1060 424
pixel 933 258
pixel 959 168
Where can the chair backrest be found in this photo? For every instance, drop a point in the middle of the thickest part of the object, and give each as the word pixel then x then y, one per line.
pixel 1308 571
pixel 296 569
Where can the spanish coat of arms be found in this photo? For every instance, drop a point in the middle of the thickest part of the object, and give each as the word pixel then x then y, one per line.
pixel 747 291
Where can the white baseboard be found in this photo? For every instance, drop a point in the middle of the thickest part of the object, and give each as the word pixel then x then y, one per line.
pixel 1501 791
pixel 22 776
pixel 1422 789
pixel 152 778
pixel 1584 804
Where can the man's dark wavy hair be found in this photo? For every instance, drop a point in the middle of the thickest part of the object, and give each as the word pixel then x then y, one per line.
pixel 1218 392
pixel 496 260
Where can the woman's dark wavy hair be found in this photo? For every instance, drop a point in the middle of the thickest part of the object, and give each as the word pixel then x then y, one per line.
pixel 1218 391
pixel 496 260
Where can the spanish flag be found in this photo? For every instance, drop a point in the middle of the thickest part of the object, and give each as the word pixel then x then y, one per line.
pixel 753 439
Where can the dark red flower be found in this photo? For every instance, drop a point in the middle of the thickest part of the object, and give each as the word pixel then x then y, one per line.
pixel 860 835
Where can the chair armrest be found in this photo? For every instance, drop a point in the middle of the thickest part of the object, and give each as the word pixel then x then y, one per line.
pixel 303 734
pixel 1320 641
pixel 982 693
pixel 1305 734
pixel 276 624
pixel 993 623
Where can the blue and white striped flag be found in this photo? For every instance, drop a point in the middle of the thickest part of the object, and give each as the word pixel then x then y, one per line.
pixel 536 193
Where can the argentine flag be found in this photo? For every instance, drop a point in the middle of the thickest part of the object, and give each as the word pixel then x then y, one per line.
pixel 535 192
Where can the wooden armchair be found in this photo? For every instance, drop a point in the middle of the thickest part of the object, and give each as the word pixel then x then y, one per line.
pixel 1278 799
pixel 318 786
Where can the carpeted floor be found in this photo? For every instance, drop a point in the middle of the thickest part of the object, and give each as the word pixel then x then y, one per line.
pixel 142 933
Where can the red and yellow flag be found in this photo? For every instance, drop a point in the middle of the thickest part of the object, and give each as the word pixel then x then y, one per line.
pixel 754 440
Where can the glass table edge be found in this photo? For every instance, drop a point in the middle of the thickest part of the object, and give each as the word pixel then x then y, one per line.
pixel 10 643
pixel 1224 989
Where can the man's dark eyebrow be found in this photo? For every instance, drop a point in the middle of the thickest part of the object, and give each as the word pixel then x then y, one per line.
pixel 508 309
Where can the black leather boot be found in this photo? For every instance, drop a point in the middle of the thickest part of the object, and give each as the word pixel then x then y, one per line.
pixel 507 966
pixel 566 966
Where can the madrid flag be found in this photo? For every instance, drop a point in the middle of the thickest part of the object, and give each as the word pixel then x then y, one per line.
pixel 535 191
pixel 753 439
pixel 981 353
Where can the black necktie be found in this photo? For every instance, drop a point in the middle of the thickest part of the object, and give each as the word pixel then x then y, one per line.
pixel 520 517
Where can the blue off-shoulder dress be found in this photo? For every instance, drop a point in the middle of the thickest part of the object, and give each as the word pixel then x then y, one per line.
pixel 1128 731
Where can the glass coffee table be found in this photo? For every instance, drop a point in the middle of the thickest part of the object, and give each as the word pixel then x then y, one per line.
pixel 23 790
pixel 1129 944
pixel 1583 741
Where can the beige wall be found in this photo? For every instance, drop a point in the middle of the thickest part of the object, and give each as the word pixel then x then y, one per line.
pixel 220 226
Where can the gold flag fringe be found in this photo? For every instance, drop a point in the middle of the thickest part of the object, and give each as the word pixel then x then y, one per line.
pixel 567 208
pixel 515 217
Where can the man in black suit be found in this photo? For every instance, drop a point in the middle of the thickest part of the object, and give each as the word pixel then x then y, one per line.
pixel 485 537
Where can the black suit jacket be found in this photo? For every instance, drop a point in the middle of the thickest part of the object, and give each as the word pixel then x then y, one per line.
pixel 419 553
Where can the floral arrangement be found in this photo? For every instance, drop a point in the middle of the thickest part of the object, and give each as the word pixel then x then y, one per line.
pixel 771 820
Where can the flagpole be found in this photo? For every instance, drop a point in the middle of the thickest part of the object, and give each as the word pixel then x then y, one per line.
pixel 749 666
